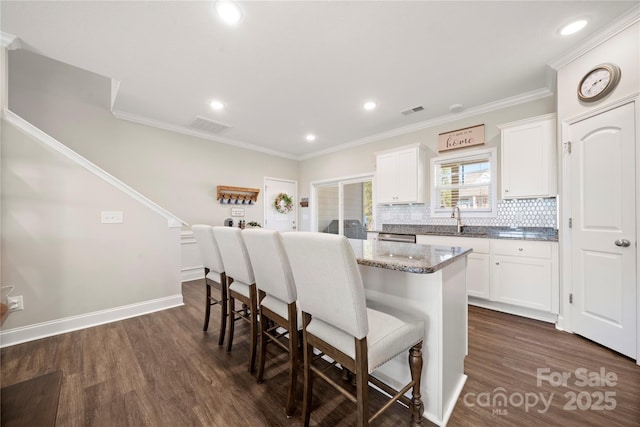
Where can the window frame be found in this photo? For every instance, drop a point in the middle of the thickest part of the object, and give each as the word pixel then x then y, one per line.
pixel 340 182
pixel 488 153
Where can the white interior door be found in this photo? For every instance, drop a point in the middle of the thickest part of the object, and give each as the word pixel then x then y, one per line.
pixel 274 220
pixel 603 233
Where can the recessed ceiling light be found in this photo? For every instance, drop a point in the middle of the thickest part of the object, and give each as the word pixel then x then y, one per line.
pixel 574 27
pixel 310 137
pixel 369 105
pixel 216 105
pixel 456 108
pixel 228 11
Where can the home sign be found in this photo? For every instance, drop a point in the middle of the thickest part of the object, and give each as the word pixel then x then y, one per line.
pixel 461 138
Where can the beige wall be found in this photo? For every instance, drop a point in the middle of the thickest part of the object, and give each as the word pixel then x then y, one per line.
pixel 361 159
pixel 178 172
pixel 55 251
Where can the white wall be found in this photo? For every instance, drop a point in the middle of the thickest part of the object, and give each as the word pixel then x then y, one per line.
pixel 58 255
pixel 72 270
pixel 178 172
pixel 623 50
pixel 361 159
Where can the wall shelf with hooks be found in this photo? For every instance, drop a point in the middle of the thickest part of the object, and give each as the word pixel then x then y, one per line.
pixel 237 195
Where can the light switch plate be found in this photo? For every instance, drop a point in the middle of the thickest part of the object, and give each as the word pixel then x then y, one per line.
pixel 112 217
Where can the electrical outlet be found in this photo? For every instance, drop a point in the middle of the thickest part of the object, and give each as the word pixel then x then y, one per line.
pixel 112 217
pixel 15 303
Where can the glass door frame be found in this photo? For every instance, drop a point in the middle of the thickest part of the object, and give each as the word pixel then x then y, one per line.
pixel 341 182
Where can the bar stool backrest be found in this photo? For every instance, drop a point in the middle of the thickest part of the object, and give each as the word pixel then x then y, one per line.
pixel 328 280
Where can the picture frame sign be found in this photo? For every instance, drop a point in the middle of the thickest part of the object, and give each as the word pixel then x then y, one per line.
pixel 461 138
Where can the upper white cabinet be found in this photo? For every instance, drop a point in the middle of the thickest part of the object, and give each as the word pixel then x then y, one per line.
pixel 400 175
pixel 529 158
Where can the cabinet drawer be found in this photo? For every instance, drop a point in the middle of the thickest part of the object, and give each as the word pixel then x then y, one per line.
pixel 522 248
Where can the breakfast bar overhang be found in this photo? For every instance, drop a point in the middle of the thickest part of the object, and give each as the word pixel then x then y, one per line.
pixel 427 282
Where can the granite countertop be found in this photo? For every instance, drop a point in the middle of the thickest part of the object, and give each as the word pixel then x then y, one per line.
pixel 407 257
pixel 521 233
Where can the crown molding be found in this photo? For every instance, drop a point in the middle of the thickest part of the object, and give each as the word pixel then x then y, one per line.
pixel 9 41
pixel 192 132
pixel 447 118
pixel 623 22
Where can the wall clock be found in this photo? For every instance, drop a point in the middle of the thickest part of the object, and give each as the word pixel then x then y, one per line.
pixel 598 82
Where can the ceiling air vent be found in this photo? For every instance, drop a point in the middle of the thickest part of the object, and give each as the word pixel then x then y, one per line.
pixel 412 110
pixel 208 125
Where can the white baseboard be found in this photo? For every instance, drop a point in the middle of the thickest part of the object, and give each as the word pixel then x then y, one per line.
pixel 20 335
pixel 192 273
pixel 512 309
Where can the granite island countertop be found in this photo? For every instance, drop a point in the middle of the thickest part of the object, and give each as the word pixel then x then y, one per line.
pixel 407 257
pixel 520 233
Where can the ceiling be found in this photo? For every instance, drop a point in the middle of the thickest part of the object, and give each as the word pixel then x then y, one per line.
pixel 296 67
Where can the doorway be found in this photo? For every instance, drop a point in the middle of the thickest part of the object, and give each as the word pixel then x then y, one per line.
pixel 600 164
pixel 284 217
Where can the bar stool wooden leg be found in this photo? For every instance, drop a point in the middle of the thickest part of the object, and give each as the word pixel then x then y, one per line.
pixel 293 360
pixel 262 352
pixel 362 383
pixel 232 323
pixel 207 302
pixel 415 365
pixel 308 374
pixel 223 307
pixel 253 307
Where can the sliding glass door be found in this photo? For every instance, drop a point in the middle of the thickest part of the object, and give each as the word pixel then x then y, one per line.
pixel 344 207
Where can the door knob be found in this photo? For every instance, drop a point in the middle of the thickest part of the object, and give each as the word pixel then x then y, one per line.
pixel 623 243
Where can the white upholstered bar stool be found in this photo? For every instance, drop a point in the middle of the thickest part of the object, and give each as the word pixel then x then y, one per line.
pixel 213 275
pixel 241 285
pixel 337 322
pixel 276 300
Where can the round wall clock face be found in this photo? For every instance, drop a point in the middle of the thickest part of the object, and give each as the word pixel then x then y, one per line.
pixel 598 82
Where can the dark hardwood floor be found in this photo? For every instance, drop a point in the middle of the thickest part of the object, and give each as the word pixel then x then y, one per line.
pixel 162 370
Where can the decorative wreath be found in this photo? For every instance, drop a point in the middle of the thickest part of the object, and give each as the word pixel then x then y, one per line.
pixel 283 203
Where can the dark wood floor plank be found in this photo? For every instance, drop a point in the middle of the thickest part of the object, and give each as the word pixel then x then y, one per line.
pixel 161 369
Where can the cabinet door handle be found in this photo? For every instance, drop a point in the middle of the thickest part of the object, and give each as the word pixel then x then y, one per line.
pixel 497 263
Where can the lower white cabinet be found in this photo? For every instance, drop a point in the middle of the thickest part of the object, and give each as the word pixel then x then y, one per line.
pixel 479 275
pixel 525 274
pixel 522 281
pixel 478 262
pixel 520 273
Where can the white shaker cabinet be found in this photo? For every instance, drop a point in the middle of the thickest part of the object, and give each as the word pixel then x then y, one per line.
pixel 525 273
pixel 478 261
pixel 400 175
pixel 529 158
pixel 517 276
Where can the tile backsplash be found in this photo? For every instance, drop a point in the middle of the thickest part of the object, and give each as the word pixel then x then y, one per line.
pixel 511 213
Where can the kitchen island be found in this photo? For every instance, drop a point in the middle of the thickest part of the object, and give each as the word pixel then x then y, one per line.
pixel 427 282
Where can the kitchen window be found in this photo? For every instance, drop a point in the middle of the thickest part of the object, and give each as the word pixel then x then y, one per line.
pixel 467 180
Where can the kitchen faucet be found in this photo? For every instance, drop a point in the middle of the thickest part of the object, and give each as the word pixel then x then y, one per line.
pixel 453 215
